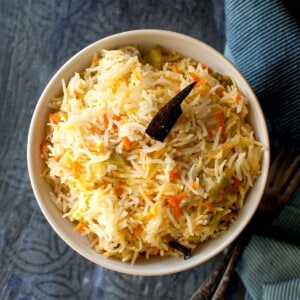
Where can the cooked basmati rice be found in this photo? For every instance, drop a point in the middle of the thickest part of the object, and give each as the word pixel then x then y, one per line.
pixel 132 194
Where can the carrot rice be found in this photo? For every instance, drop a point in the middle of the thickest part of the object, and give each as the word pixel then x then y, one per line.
pixel 131 194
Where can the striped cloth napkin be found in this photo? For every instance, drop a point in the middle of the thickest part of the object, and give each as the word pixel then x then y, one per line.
pixel 263 41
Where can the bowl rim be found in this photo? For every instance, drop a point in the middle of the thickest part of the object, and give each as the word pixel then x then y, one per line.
pixel 108 263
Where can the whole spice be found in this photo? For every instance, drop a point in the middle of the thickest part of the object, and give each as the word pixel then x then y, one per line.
pixel 187 253
pixel 167 116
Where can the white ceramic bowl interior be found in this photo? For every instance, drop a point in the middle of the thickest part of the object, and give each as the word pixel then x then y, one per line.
pixel 145 39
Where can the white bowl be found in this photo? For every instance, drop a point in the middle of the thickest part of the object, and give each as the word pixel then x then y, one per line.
pixel 145 39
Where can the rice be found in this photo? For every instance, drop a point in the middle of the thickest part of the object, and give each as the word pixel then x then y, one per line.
pixel 129 193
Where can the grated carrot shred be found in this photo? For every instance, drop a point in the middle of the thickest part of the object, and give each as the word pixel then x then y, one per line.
pixel 220 91
pixel 126 142
pixel 194 76
pixel 79 96
pixel 154 250
pixel 81 227
pixel 138 229
pixel 202 81
pixel 119 190
pixel 116 117
pixel 209 205
pixel 44 146
pixel 198 227
pixel 96 60
pixel 238 97
pixel 105 120
pixel 175 68
pixel 220 120
pixel 195 185
pixel 148 218
pixel 55 118
pixel 76 166
pixel 174 174
pixel 174 201
pixel 95 129
pixel 204 67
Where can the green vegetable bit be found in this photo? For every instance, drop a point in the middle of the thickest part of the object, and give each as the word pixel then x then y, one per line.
pixel 156 58
pixel 223 79
pixel 117 159
pixel 216 189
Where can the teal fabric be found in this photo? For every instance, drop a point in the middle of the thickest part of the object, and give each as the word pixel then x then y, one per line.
pixel 282 290
pixel 263 41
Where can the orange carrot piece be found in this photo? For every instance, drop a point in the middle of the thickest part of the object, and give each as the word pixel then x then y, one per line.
pixel 204 67
pixel 58 157
pixel 79 96
pixel 138 229
pixel 195 185
pixel 202 81
pixel 81 227
pixel 118 190
pixel 96 60
pixel 154 250
pixel 198 227
pixel 209 205
pixel 238 97
pixel 174 201
pixel 194 76
pixel 116 117
pixel 76 169
pixel 220 120
pixel 55 118
pixel 175 69
pixel 148 218
pixel 210 133
pixel 174 174
pixel 176 210
pixel 126 142
pixel 44 146
pixel 220 91
pixel 105 120
pixel 224 146
pixel 95 129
